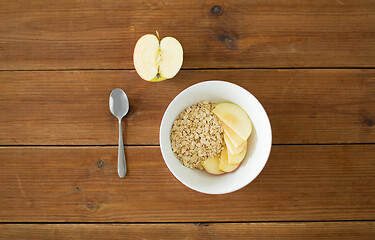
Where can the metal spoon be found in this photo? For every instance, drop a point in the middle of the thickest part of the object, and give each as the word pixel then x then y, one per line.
pixel 119 106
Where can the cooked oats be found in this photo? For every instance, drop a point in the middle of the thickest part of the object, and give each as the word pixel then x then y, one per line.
pixel 197 135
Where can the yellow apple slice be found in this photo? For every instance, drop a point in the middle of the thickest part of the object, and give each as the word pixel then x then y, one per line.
pixel 231 148
pixel 237 158
pixel 224 165
pixel 146 53
pixel 171 57
pixel 156 61
pixel 234 137
pixel 211 165
pixel 235 118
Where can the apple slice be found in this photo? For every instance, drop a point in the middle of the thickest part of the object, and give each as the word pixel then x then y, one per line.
pixel 235 139
pixel 156 60
pixel 237 158
pixel 231 148
pixel 235 118
pixel 224 165
pixel 211 165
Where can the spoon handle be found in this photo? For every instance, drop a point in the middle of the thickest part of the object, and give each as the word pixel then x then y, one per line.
pixel 121 164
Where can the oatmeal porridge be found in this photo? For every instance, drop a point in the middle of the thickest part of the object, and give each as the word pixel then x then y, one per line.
pixel 196 135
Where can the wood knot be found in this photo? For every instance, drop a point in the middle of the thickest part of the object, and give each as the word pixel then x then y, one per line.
pixel 228 42
pixel 217 10
pixel 77 189
pixel 100 163
pixel 369 122
pixel 92 206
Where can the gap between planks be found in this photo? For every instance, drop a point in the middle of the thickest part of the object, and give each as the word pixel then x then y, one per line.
pixel 190 69
pixel 196 223
pixel 148 145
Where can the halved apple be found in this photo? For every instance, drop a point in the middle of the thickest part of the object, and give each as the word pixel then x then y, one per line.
pixel 237 158
pixel 235 118
pixel 224 165
pixel 231 148
pixel 235 139
pixel 156 60
pixel 211 165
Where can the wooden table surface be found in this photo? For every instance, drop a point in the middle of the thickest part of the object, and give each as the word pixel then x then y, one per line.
pixel 310 63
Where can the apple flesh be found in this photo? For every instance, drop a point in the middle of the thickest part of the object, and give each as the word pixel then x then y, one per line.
pixel 234 138
pixel 224 164
pixel 235 118
pixel 231 148
pixel 156 60
pixel 211 165
pixel 237 158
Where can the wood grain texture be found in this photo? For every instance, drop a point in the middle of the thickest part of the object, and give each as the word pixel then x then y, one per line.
pixel 69 108
pixel 98 34
pixel 80 184
pixel 266 231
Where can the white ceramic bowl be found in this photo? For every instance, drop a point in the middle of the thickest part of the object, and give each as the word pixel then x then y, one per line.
pixel 259 143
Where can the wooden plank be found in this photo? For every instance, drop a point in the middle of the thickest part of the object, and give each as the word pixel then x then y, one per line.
pixel 98 34
pixel 68 108
pixel 303 230
pixel 80 184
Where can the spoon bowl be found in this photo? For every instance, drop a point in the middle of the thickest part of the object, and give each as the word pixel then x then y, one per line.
pixel 118 103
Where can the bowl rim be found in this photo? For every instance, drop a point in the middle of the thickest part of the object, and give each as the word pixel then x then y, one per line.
pixel 245 183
